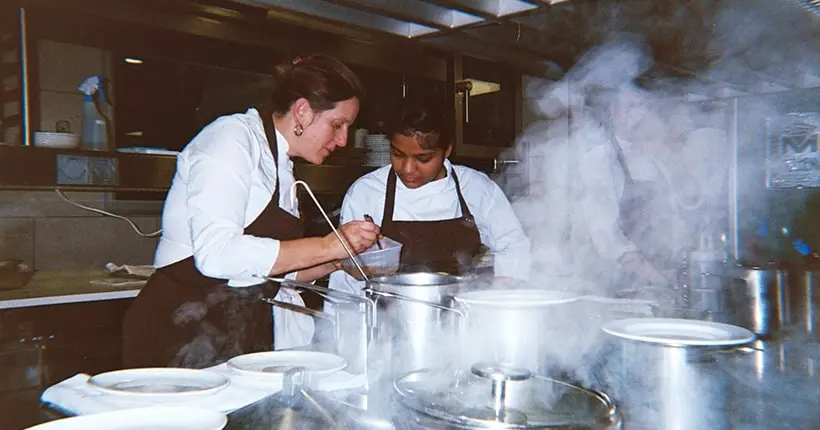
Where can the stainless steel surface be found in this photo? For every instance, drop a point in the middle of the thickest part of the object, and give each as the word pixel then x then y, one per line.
pixel 406 18
pixel 293 197
pixel 415 323
pixel 776 384
pixel 450 399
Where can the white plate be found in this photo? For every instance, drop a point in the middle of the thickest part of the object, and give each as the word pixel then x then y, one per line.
pixel 162 382
pixel 276 363
pixel 516 298
pixel 679 332
pixel 56 140
pixel 153 418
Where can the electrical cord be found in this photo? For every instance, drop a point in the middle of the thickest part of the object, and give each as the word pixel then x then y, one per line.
pixel 102 212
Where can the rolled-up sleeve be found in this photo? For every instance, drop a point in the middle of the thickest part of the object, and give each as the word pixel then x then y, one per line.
pixel 502 234
pixel 218 187
pixel 601 187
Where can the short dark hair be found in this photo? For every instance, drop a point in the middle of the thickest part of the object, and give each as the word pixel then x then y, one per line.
pixel 424 121
pixel 320 79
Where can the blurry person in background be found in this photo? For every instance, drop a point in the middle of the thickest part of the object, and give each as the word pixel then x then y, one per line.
pixel 641 194
pixel 442 213
pixel 613 218
pixel 229 220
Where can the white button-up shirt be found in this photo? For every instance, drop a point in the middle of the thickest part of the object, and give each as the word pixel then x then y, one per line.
pixel 497 224
pixel 225 178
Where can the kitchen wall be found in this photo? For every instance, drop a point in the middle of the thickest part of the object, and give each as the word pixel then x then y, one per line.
pixel 41 228
pixel 49 233
pixel 62 67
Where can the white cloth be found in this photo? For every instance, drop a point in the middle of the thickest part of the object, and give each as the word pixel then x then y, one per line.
pixel 498 226
pixel 75 396
pixel 225 178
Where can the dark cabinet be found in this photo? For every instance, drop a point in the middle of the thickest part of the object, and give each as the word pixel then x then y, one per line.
pixel 42 345
pixel 488 101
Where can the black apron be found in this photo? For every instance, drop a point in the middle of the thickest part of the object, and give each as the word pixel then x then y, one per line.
pixel 645 211
pixel 182 318
pixel 447 246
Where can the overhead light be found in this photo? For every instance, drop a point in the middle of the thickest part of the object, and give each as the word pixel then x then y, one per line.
pixel 131 60
pixel 134 134
pixel 478 87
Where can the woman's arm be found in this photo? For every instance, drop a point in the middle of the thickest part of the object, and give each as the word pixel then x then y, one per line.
pixel 220 166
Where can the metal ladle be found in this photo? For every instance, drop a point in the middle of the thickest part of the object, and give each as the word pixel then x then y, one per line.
pixel 293 203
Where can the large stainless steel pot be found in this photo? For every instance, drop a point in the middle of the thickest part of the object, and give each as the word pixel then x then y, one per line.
pixel 425 321
pixel 663 372
pixel 520 327
pixel 804 304
pixel 759 302
pixel 497 396
pixel 415 320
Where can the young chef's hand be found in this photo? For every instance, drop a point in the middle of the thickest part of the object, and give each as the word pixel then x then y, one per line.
pixel 359 236
pixel 635 262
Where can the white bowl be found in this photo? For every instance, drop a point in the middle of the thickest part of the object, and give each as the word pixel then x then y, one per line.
pixel 56 140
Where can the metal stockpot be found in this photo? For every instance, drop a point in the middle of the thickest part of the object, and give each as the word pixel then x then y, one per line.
pixel 667 378
pixel 519 327
pixel 755 298
pixel 426 326
pixel 804 304
pixel 415 320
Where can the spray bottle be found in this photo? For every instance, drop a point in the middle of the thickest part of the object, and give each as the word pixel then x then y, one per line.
pixel 95 132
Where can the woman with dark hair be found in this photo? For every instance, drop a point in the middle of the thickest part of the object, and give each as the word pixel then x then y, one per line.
pixel 228 220
pixel 441 213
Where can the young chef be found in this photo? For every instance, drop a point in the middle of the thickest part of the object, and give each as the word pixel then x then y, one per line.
pixel 441 213
pixel 228 219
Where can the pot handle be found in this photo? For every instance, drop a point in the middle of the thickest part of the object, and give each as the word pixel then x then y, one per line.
pixel 300 309
pixel 413 300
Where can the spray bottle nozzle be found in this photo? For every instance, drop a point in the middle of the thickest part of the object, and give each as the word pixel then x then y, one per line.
pixel 91 85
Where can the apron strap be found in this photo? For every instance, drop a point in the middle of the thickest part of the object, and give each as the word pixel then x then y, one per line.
pixel 619 155
pixel 465 210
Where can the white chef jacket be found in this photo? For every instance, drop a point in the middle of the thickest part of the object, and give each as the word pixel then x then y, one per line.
pixel 225 178
pixel 498 226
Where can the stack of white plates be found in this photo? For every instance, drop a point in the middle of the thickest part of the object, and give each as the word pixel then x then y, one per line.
pixel 377 147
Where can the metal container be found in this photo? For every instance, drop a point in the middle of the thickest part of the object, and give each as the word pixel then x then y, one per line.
pixel 760 301
pixel 520 327
pixel 804 304
pixel 415 321
pixel 662 372
pixel 498 397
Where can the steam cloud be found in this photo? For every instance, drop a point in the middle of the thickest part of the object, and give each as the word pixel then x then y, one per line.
pixel 737 49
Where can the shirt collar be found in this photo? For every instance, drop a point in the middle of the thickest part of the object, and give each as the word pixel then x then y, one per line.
pixel 439 184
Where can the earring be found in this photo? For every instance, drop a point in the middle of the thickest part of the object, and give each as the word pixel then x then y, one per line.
pixel 298 130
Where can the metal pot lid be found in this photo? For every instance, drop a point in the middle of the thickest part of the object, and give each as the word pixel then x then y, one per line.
pixel 679 332
pixel 418 279
pixel 516 298
pixel 469 398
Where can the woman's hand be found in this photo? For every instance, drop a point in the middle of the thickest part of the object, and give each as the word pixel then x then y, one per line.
pixel 359 236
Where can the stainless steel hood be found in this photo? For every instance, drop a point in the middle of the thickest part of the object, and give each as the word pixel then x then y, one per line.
pixel 408 18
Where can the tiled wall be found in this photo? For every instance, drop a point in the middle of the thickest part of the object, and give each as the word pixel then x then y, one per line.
pixel 42 229
pixel 62 68
pixel 38 226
